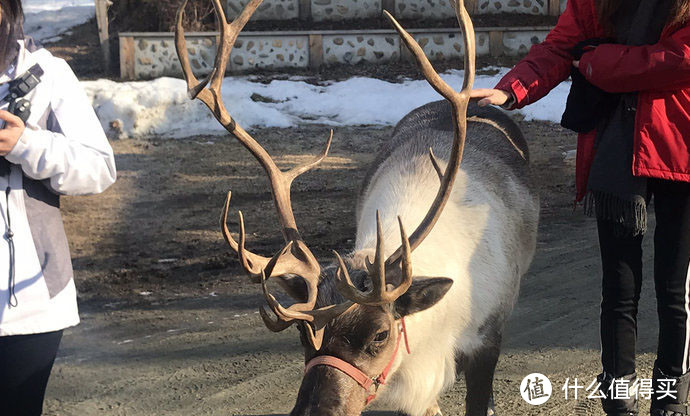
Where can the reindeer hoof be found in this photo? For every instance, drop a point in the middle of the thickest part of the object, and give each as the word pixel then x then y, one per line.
pixel 491 409
pixel 433 411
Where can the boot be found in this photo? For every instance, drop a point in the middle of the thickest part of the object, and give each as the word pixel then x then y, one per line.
pixel 670 406
pixel 615 406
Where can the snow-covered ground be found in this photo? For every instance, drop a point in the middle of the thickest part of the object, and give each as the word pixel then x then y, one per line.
pixel 161 107
pixel 46 20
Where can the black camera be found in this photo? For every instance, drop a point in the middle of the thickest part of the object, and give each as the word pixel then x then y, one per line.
pixel 20 106
pixel 19 88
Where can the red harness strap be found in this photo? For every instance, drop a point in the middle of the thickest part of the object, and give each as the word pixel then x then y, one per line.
pixel 355 373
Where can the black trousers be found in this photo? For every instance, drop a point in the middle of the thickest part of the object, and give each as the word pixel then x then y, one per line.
pixel 622 281
pixel 25 364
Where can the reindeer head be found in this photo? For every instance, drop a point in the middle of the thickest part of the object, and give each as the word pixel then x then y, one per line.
pixel 351 314
pixel 359 347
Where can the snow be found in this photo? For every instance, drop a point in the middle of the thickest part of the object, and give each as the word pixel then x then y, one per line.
pixel 47 20
pixel 161 107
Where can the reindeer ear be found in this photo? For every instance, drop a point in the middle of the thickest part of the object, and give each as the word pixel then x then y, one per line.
pixel 423 294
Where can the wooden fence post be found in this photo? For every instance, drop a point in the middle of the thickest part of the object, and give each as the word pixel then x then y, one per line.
pixel 127 69
pixel 103 33
pixel 496 46
pixel 554 7
pixel 315 51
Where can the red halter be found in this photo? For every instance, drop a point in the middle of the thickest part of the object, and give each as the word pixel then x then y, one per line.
pixel 355 373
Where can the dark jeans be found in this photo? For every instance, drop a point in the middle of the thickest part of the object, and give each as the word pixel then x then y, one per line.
pixel 622 281
pixel 25 364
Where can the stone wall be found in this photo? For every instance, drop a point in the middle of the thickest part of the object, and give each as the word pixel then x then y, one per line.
pixel 151 55
pixel 269 9
pixel 513 6
pixel 155 56
pixel 356 48
pixel 423 9
pixel 518 43
pixel 440 46
pixel 331 10
pixel 270 52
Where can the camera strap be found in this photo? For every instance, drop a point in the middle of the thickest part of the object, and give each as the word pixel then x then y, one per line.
pixel 21 107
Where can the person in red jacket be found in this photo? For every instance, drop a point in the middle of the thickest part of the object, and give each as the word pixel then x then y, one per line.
pixel 630 62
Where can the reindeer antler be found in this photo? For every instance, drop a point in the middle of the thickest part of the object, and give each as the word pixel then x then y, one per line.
pixel 295 258
pixel 459 102
pixel 313 320
pixel 209 92
pixel 379 293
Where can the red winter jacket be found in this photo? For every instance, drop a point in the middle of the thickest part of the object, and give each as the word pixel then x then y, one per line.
pixel 660 73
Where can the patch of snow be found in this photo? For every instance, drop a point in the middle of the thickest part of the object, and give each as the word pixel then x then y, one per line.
pixel 48 20
pixel 34 6
pixel 162 108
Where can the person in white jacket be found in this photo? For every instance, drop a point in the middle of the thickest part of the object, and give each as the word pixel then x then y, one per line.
pixel 60 150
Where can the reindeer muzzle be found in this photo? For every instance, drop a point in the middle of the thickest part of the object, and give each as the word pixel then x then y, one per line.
pixel 370 384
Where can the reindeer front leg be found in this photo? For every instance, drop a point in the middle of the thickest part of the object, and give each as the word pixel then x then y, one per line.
pixel 479 370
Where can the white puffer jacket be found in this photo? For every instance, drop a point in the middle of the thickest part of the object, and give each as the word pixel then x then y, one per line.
pixel 63 151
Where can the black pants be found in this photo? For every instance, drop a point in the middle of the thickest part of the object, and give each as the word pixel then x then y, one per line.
pixel 622 281
pixel 25 364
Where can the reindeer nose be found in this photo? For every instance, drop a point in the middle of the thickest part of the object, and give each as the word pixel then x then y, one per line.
pixel 321 394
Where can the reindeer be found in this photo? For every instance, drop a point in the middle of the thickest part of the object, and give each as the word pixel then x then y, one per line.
pixel 398 325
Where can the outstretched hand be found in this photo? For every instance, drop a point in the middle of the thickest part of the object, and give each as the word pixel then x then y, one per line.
pixel 14 128
pixel 489 96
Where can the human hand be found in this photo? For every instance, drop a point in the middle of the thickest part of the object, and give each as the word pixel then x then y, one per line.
pixel 489 96
pixel 576 64
pixel 9 136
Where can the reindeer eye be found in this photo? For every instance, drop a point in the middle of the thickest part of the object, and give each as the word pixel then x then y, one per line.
pixel 381 336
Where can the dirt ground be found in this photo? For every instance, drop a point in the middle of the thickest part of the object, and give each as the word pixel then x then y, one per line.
pixel 170 324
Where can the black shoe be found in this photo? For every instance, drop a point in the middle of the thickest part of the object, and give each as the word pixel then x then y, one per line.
pixel 618 406
pixel 669 405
